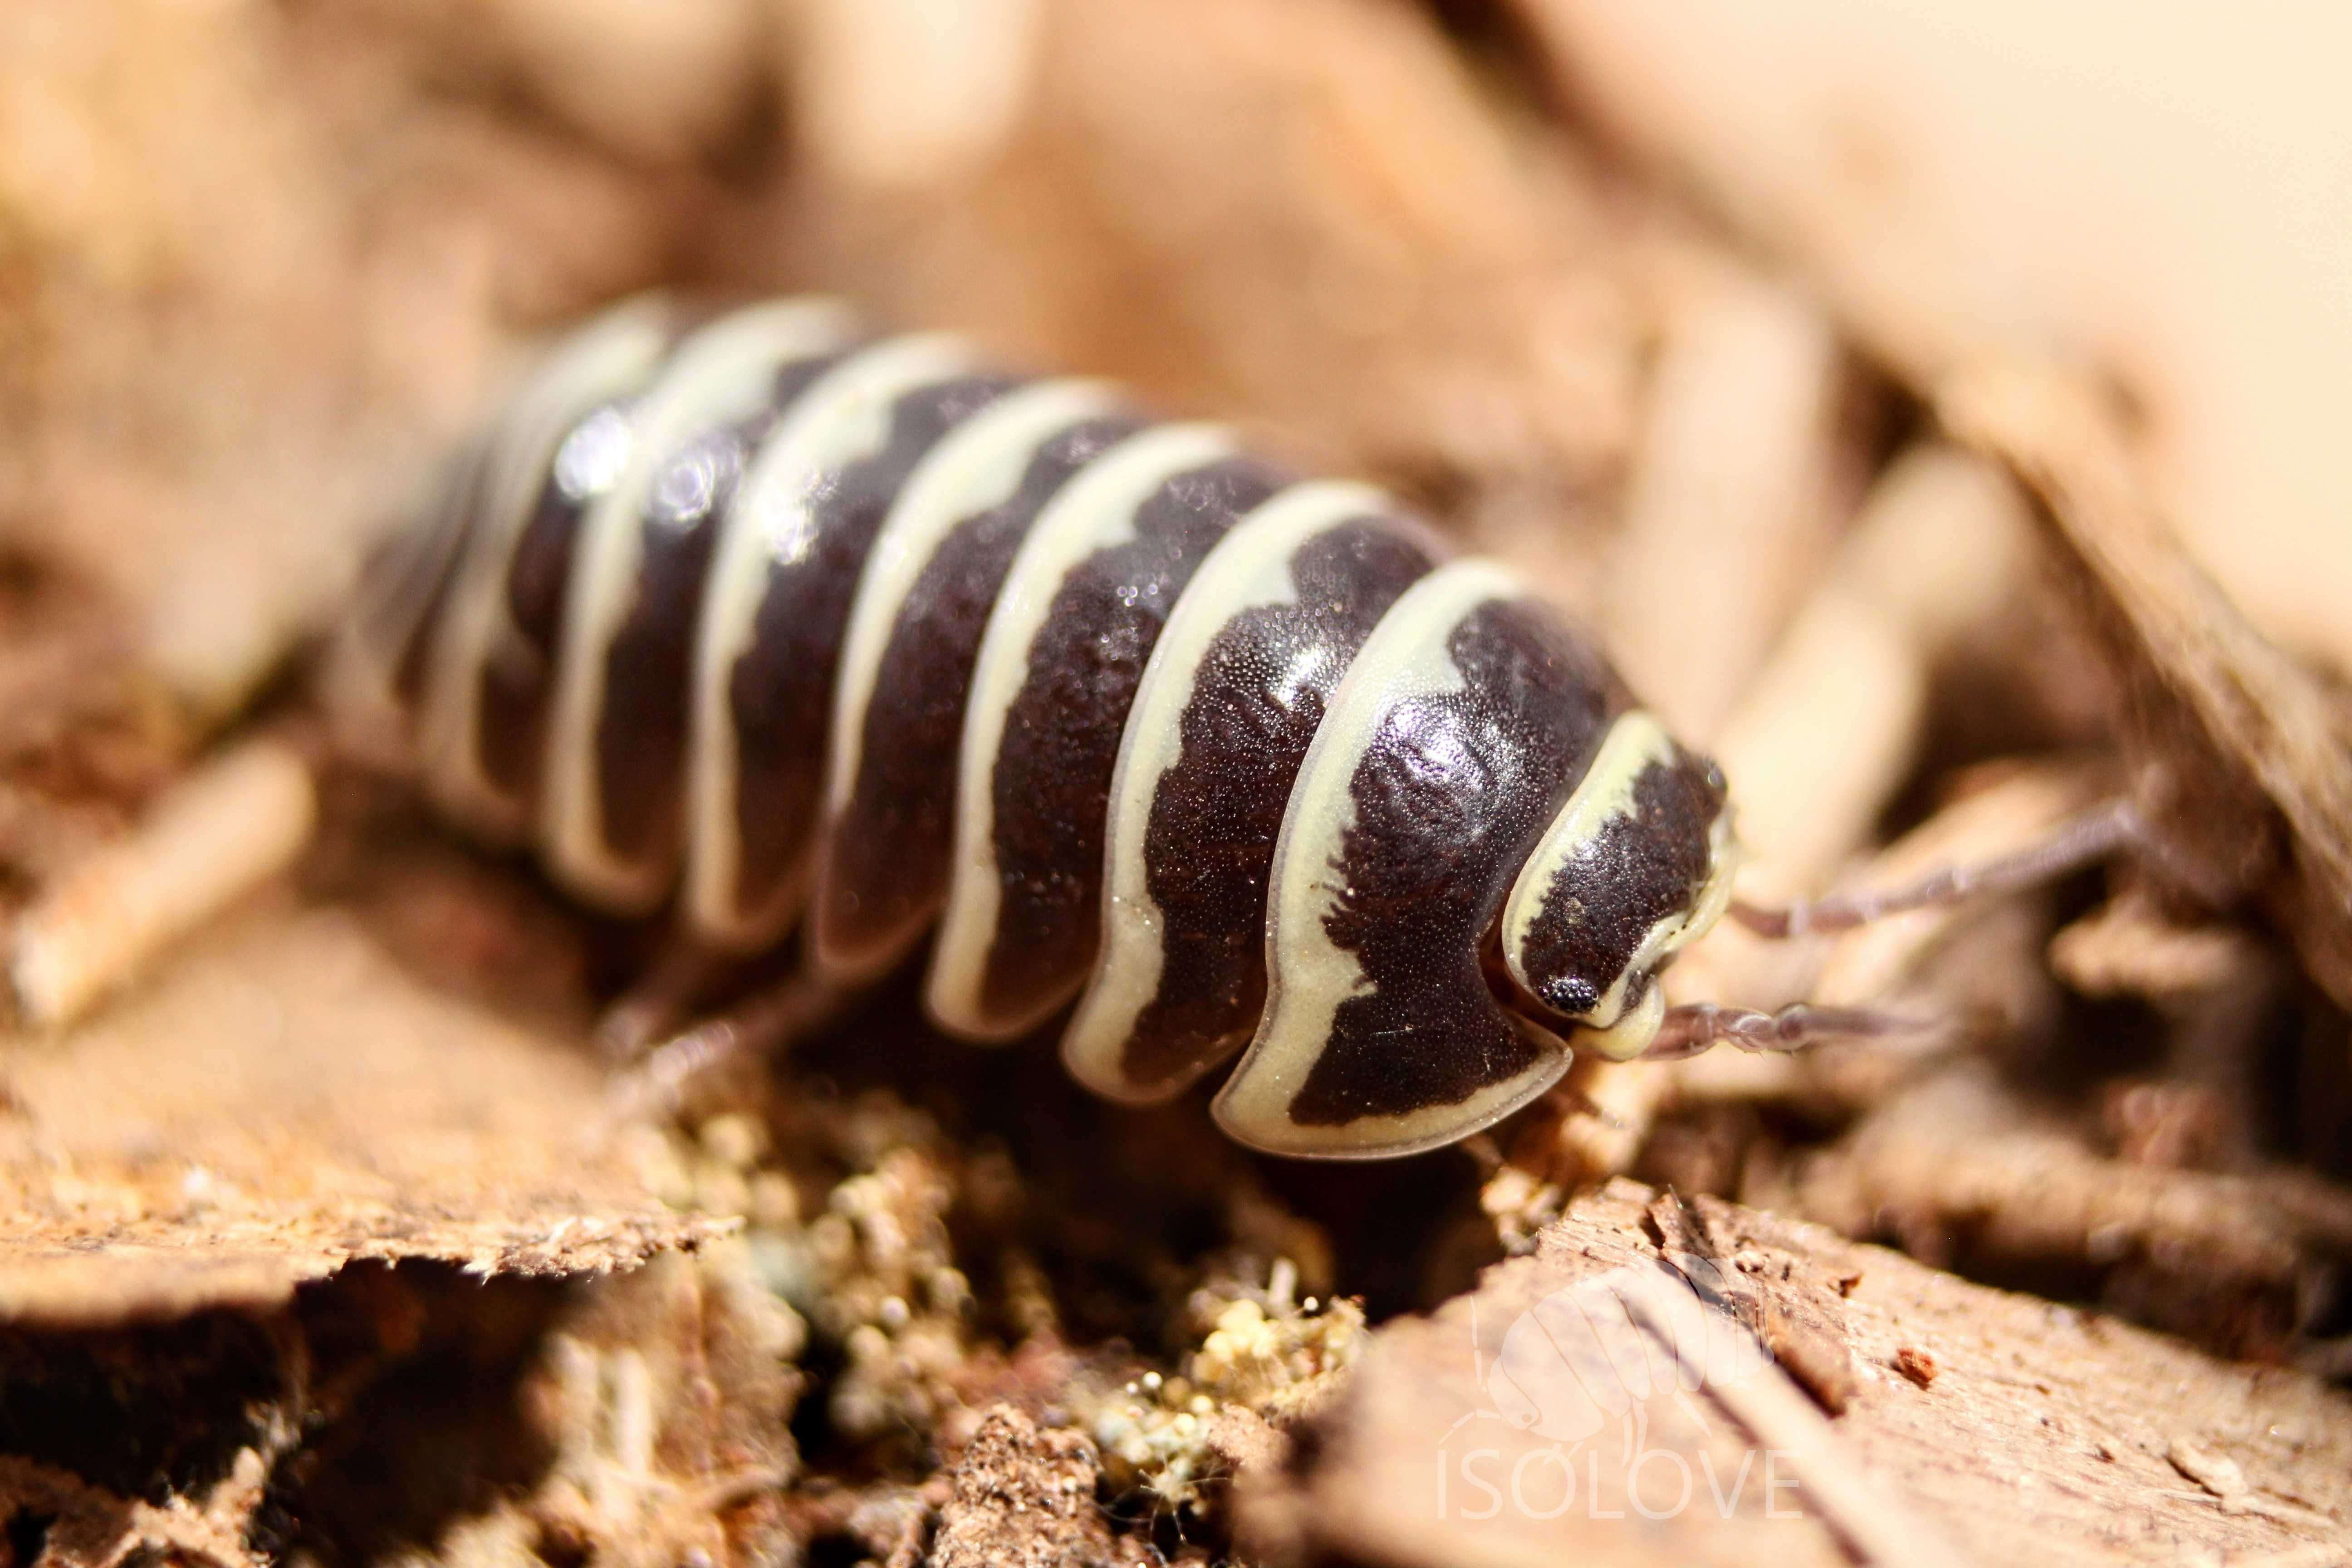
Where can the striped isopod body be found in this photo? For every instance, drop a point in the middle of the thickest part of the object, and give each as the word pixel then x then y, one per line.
pixel 793 624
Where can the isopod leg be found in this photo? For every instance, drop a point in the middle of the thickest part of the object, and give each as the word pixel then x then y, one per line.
pixel 2073 844
pixel 1688 1030
pixel 660 1000
pixel 769 1021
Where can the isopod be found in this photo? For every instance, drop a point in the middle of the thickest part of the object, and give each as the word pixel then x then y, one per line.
pixel 790 624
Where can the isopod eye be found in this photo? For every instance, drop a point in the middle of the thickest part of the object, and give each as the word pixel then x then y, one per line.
pixel 1570 995
pixel 1637 865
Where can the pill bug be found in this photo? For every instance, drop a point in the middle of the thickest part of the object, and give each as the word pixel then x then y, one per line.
pixel 796 624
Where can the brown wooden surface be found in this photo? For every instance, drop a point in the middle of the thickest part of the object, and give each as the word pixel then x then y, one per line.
pixel 2047 1434
pixel 286 1100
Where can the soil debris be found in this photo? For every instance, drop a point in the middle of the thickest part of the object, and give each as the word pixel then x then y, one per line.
pixel 1023 1498
pixel 1918 1364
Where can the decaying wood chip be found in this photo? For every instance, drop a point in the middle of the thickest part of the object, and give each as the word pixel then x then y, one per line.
pixel 1828 727
pixel 1734 500
pixel 280 1101
pixel 2220 1475
pixel 2233 741
pixel 236 822
pixel 1880 1526
pixel 1962 1174
pixel 1817 1363
pixel 2046 1439
pixel 2131 946
pixel 1800 1328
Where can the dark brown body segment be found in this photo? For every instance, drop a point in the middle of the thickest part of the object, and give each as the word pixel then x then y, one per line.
pixel 1257 699
pixel 1052 778
pixel 781 688
pixel 519 672
pixel 641 725
pixel 411 585
pixel 1448 802
pixel 888 857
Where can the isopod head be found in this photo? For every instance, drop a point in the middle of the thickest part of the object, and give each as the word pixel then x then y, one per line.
pixel 1637 866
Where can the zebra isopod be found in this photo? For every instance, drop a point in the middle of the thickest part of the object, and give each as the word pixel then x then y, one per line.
pixel 792 624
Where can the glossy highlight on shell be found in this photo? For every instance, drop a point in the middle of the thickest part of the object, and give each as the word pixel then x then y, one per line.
pixel 793 626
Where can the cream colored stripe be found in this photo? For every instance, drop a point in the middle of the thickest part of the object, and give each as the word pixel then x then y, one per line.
pixel 1094 512
pixel 976 468
pixel 610 358
pixel 723 373
pixel 1249 568
pixel 1307 976
pixel 845 416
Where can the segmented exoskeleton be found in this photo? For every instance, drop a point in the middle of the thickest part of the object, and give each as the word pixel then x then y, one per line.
pixel 800 625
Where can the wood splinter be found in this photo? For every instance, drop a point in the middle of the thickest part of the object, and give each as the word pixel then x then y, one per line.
pixel 239 821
